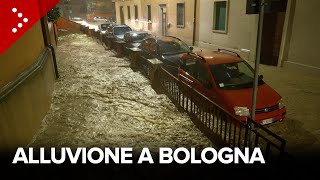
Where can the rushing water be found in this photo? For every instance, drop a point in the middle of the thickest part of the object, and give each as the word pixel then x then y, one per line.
pixel 100 101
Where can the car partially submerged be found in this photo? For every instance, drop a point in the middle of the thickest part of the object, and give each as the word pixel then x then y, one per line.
pixel 227 80
pixel 103 29
pixel 132 39
pixel 77 19
pixel 99 19
pixel 115 33
pixel 165 49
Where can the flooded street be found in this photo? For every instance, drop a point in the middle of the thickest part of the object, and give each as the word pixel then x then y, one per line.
pixel 100 101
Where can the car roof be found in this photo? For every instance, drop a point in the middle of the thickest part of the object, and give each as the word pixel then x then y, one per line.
pixel 137 32
pixel 106 23
pixel 164 38
pixel 120 26
pixel 167 38
pixel 217 57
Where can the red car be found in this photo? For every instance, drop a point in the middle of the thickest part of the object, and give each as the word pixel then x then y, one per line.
pixel 225 78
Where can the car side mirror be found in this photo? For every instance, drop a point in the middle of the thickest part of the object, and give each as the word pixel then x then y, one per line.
pixel 191 48
pixel 260 77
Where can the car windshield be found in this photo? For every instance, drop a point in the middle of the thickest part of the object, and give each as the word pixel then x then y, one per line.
pixel 174 46
pixel 235 75
pixel 136 38
pixel 104 27
pixel 121 30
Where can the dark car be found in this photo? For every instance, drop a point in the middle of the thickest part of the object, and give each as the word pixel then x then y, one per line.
pixel 227 79
pixel 115 33
pixel 132 39
pixel 166 49
pixel 103 29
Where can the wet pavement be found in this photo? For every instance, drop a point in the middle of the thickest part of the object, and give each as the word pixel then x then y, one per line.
pixel 99 101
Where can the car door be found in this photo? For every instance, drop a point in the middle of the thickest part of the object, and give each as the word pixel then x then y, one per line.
pixel 203 80
pixel 187 71
pixel 194 72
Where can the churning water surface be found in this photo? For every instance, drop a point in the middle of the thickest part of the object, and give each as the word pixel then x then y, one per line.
pixel 99 101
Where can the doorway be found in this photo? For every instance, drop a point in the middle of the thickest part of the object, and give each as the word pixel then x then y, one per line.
pixel 272 32
pixel 163 20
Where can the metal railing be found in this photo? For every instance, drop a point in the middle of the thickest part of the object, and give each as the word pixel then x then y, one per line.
pixel 221 127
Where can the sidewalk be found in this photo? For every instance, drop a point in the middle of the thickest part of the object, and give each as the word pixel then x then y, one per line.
pixel 300 91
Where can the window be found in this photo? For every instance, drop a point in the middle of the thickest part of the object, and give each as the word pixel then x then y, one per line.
pixel 237 75
pixel 121 30
pixel 121 15
pixel 149 13
pixel 203 76
pixel 220 14
pixel 135 12
pixel 129 13
pixel 180 15
pixel 189 66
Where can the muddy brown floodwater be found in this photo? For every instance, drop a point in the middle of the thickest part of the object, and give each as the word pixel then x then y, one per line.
pixel 100 101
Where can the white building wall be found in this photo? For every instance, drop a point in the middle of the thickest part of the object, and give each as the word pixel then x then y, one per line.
pixel 241 28
pixel 305 37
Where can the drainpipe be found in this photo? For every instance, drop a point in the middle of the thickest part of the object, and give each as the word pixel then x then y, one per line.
pixel 47 44
pixel 194 22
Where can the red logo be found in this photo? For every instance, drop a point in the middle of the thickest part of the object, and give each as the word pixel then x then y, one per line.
pixel 18 16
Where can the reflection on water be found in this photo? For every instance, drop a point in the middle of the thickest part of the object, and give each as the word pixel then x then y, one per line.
pixel 99 101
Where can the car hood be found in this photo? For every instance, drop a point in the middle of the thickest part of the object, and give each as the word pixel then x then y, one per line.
pixel 135 44
pixel 120 36
pixel 266 97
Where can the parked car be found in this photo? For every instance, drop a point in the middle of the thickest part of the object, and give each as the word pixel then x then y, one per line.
pixel 166 49
pixel 104 27
pixel 227 79
pixel 77 19
pixel 97 19
pixel 132 39
pixel 115 33
pixel 112 19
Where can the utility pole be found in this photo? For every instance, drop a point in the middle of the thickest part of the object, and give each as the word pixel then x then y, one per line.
pixel 258 55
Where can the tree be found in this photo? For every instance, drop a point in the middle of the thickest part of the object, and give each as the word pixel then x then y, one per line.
pixel 54 14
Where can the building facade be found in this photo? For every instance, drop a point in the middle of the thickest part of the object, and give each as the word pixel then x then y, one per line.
pixel 289 35
pixel 159 17
pixel 100 8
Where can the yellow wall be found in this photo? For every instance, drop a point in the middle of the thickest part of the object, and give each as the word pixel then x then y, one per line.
pixel 22 111
pixel 21 54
